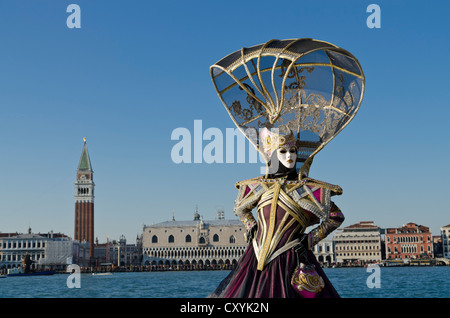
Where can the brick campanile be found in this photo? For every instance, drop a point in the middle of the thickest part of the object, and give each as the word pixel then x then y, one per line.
pixel 84 201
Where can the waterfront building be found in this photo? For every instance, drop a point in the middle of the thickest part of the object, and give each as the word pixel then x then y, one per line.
pixel 45 250
pixel 324 252
pixel 409 241
pixel 445 236
pixel 118 253
pixel 358 243
pixel 437 245
pixel 193 244
pixel 84 201
pixel 58 252
pixel 81 253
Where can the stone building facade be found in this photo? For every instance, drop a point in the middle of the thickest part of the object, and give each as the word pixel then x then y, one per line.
pixel 193 244
pixel 44 249
pixel 358 243
pixel 117 253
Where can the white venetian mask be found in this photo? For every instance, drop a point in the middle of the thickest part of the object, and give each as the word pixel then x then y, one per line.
pixel 287 156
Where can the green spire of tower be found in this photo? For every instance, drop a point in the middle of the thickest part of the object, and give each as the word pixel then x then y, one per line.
pixel 85 161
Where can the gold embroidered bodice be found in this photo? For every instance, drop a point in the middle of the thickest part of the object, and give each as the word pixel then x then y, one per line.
pixel 284 210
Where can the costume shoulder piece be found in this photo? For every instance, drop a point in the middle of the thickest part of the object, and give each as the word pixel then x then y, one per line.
pixel 247 182
pixel 335 189
pixel 315 196
pixel 291 184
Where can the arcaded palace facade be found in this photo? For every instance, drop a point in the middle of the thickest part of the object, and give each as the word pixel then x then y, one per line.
pixel 198 243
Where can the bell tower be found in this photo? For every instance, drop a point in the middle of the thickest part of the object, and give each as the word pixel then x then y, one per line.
pixel 84 201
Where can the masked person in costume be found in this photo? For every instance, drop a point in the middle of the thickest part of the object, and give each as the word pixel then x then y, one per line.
pixel 278 262
pixel 290 98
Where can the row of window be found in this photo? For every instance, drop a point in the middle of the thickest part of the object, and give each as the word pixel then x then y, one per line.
pixel 322 248
pixel 188 239
pixel 193 230
pixel 195 253
pixel 364 247
pixel 407 239
pixel 20 257
pixel 355 241
pixel 83 190
pixel 190 248
pixel 358 254
pixel 23 244
pixel 409 249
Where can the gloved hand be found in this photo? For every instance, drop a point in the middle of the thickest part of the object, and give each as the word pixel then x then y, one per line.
pixel 302 247
pixel 250 234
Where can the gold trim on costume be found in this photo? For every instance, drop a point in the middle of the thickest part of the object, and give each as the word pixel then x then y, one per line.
pixel 268 239
pixel 293 197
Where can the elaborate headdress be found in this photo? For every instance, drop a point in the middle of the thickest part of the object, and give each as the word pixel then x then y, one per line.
pixel 307 87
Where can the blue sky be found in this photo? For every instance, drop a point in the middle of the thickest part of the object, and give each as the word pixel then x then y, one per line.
pixel 137 70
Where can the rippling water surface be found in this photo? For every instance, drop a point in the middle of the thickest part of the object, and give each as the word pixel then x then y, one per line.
pixel 399 282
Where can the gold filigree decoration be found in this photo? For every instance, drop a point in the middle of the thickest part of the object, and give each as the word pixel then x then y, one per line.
pixel 306 280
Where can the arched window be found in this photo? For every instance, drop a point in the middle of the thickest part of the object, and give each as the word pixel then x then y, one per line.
pixel 154 239
pixel 202 240
pixel 171 239
pixel 216 238
pixel 232 239
pixel 188 239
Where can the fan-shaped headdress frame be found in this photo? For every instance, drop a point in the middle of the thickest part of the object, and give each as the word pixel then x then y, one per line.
pixel 270 105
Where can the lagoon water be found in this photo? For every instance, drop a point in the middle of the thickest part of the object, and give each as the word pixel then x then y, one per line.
pixel 394 282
